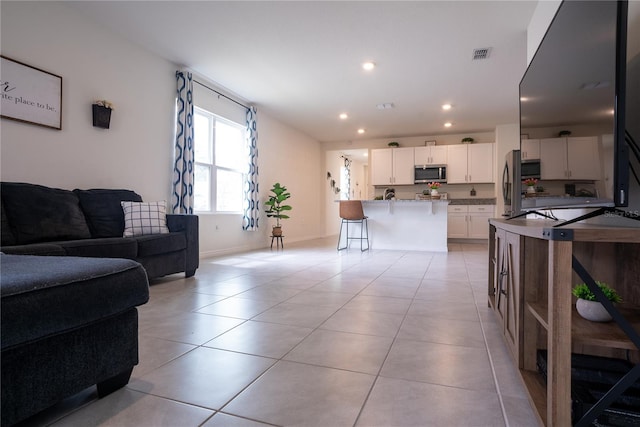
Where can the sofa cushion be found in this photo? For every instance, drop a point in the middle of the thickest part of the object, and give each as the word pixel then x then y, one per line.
pixel 6 235
pixel 103 210
pixel 42 249
pixel 40 214
pixel 42 296
pixel 144 218
pixel 156 244
pixel 106 247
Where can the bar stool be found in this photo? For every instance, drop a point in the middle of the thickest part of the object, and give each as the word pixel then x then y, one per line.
pixel 351 212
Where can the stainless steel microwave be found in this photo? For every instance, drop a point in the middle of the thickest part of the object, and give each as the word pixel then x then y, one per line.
pixel 530 169
pixel 430 173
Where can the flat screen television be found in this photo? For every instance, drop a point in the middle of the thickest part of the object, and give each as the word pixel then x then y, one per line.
pixel 576 82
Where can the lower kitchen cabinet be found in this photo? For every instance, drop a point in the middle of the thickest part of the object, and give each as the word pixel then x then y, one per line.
pixel 469 221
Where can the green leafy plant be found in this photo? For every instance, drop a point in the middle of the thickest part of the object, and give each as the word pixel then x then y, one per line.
pixel 582 291
pixel 275 203
pixel 467 140
pixel 393 144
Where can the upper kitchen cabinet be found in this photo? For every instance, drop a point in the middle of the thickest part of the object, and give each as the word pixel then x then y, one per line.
pixel 392 166
pixel 570 159
pixel 431 155
pixel 470 163
pixel 530 149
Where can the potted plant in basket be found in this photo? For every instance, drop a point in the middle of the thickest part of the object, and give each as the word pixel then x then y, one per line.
pixel 531 184
pixel 587 305
pixel 276 206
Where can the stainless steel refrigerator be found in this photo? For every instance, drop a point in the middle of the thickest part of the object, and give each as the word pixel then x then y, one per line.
pixel 511 184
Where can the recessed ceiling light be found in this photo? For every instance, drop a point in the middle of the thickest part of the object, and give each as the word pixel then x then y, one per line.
pixel 446 107
pixel 524 99
pixel 343 116
pixel 361 131
pixel 369 65
pixel 448 124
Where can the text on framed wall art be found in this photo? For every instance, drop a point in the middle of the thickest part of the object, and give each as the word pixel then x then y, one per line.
pixel 29 94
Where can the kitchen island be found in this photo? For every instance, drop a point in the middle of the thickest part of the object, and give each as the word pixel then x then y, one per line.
pixel 415 225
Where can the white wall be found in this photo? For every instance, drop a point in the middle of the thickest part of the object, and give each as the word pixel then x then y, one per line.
pixel 94 65
pixel 137 151
pixel 294 160
pixel 540 21
pixel 333 163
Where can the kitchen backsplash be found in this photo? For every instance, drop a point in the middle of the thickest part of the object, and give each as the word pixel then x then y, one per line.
pixel 454 191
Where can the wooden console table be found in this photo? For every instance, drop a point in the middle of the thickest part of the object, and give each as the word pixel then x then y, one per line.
pixel 531 274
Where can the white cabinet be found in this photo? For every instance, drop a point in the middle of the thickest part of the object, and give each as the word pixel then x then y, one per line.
pixel 431 155
pixel 392 166
pixel 570 158
pixel 470 163
pixel 457 221
pixel 457 164
pixel 530 149
pixel 479 215
pixel 469 221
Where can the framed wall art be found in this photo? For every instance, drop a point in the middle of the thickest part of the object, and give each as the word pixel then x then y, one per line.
pixel 29 94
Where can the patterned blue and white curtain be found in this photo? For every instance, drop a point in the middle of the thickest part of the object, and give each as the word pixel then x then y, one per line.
pixel 251 201
pixel 182 197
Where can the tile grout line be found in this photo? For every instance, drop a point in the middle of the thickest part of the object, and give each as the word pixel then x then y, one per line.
pixel 377 376
pixel 493 370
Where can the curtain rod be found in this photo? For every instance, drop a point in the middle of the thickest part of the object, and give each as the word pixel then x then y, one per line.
pixel 220 94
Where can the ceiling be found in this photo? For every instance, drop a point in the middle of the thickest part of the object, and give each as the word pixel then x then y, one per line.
pixel 300 62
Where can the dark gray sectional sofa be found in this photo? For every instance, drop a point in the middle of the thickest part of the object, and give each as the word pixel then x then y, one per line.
pixel 39 220
pixel 67 323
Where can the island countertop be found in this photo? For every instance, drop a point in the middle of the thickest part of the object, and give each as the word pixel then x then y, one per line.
pixel 407 201
pixel 414 225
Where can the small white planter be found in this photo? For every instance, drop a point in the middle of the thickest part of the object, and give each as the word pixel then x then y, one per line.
pixel 592 310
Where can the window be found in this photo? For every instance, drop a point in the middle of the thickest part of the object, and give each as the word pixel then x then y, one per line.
pixel 221 161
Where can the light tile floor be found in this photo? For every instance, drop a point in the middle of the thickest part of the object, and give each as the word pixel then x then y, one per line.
pixel 310 336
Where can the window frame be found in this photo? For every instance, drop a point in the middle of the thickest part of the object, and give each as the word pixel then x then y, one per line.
pixel 213 168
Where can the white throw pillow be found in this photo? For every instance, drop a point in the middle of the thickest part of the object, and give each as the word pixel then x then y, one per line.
pixel 142 218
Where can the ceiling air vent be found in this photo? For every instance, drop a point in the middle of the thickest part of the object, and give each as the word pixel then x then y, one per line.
pixel 482 53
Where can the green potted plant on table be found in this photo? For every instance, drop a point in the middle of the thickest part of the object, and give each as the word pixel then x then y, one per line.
pixel 276 207
pixel 590 308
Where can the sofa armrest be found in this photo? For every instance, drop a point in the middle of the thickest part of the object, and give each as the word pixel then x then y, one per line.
pixel 187 224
